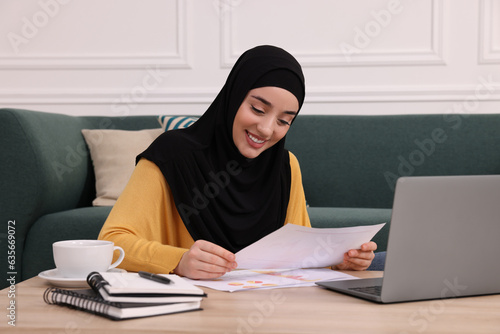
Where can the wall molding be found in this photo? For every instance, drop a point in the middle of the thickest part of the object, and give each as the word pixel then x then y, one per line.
pixel 386 94
pixel 488 53
pixel 178 59
pixel 389 94
pixel 432 56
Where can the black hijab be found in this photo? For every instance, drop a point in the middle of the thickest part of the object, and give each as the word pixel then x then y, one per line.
pixel 222 196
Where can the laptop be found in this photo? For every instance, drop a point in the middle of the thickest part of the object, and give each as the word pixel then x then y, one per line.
pixel 443 242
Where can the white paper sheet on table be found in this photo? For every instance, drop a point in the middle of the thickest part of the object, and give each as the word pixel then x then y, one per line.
pixel 239 280
pixel 294 246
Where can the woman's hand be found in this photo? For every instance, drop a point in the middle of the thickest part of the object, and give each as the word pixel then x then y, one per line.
pixel 205 260
pixel 358 259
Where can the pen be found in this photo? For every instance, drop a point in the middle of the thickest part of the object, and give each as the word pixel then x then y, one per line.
pixel 154 277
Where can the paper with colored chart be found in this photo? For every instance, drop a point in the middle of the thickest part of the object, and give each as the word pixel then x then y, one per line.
pixel 294 246
pixel 239 280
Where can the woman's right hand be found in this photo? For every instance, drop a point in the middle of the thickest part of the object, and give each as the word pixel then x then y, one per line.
pixel 205 260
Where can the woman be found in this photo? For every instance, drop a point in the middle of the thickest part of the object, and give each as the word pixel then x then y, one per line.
pixel 198 195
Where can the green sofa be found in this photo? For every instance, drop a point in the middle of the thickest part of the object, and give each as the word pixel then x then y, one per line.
pixel 349 167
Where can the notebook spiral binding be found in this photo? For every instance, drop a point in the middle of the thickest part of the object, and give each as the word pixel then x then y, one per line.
pixel 96 281
pixel 56 296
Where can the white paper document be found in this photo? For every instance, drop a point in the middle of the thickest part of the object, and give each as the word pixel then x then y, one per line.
pixel 239 280
pixel 293 246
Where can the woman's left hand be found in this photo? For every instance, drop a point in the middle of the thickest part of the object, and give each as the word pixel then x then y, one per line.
pixel 358 259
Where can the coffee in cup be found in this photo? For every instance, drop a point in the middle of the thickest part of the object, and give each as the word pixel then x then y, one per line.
pixel 78 258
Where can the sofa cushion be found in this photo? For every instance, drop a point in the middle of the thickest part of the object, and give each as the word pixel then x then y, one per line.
pixel 324 217
pixel 113 154
pixel 176 122
pixel 354 161
pixel 82 223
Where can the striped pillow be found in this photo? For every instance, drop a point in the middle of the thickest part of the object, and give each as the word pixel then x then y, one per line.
pixel 176 122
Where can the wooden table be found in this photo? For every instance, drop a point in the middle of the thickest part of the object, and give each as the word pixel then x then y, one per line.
pixel 287 310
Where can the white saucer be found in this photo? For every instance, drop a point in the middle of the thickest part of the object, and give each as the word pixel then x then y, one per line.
pixel 54 277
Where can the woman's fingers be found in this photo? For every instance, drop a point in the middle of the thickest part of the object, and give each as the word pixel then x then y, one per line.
pixel 205 260
pixel 358 259
pixel 214 254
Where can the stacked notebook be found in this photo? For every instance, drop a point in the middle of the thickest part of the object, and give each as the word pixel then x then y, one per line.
pixel 127 295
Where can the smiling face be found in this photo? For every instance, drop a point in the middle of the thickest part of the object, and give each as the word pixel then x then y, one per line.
pixel 263 119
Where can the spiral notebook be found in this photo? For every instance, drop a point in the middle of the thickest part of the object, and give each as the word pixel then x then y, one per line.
pixel 90 301
pixel 130 287
pixel 127 295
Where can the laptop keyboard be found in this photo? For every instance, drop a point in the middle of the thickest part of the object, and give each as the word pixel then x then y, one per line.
pixel 371 290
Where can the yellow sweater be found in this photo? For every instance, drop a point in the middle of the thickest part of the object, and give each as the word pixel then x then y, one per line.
pixel 146 224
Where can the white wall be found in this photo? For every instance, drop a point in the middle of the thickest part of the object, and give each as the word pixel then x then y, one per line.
pixel 124 57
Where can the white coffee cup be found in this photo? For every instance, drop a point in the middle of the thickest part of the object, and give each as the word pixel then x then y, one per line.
pixel 78 258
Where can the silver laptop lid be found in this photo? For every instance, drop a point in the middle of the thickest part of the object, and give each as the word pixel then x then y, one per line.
pixel 444 238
